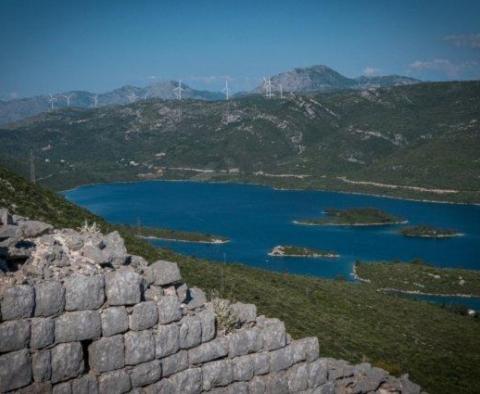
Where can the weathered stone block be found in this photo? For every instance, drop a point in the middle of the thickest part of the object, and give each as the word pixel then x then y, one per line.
pixel 123 287
pixel 244 341
pixel 195 298
pixel 62 388
pixel 67 361
pixel 14 335
pixel 107 354
pixel 36 388
pixel 15 370
pixel 312 348
pixel 78 326
pixel 43 332
pixel 42 366
pixel 114 321
pixel 146 373
pixel 34 228
pixel 84 292
pixel 329 388
pixel 182 292
pixel 187 382
pixel 166 340
pixel 261 363
pixel 163 386
pixel 175 363
pixel 115 382
pixel 281 359
pixel 246 313
pixel 217 373
pixel 243 368
pixel 86 384
pixel 208 351
pixel 257 386
pixel 144 315
pixel 317 373
pixel 50 298
pixel 274 334
pixel 298 378
pixel 18 302
pixel 169 309
pixel 139 347
pixel 207 318
pixel 277 383
pixel 190 332
pixel 163 273
pixel 153 293
pixel 238 388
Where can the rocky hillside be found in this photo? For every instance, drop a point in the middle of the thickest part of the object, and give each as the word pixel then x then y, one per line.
pixel 419 141
pixel 14 110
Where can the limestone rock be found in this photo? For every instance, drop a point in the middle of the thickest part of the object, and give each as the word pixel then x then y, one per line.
pixel 168 309
pixel 67 361
pixel 139 347
pixel 245 341
pixel 257 386
pixel 246 313
pixel 14 335
pixel 163 273
pixel 87 384
pixel 50 298
pixel 207 318
pixel 62 388
pixel 146 373
pixel 274 334
pixel 78 326
pixel 41 366
pixel 84 292
pixel 243 368
pixel 144 315
pixel 195 298
pixel 107 354
pixel 317 373
pixel 175 363
pixel 15 370
pixel 217 373
pixel 281 359
pixel 190 332
pixel 298 378
pixel 34 228
pixel 43 332
pixel 261 363
pixel 123 288
pixel 115 382
pixel 187 382
pixel 166 340
pixel 114 321
pixel 18 302
pixel 208 351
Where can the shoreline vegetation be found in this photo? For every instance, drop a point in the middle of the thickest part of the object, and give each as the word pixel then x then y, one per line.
pixel 353 217
pixel 418 278
pixel 423 231
pixel 175 235
pixel 299 251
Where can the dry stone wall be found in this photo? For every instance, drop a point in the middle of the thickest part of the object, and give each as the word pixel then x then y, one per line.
pixel 80 315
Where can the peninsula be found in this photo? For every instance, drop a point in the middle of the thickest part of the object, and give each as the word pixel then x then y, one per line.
pixel 176 235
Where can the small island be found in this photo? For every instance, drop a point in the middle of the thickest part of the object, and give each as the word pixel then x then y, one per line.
pixel 175 235
pixel 423 231
pixel 353 217
pixel 299 251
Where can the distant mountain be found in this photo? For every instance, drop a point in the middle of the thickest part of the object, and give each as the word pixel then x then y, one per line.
pixel 17 109
pixel 324 79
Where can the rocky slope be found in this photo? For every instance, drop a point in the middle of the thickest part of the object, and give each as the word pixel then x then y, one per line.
pixel 79 314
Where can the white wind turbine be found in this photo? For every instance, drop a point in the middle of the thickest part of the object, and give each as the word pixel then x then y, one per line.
pixel 267 84
pixel 68 97
pixel 226 90
pixel 178 90
pixel 51 100
pixel 95 100
pixel 281 90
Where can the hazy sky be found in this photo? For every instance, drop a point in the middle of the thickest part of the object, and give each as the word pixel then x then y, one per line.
pixel 52 46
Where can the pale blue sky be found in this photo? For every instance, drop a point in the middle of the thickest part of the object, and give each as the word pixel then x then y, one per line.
pixel 51 46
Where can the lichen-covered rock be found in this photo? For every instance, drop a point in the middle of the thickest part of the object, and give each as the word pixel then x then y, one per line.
pixel 243 368
pixel 305 349
pixel 175 363
pixel 146 373
pixel 139 347
pixel 67 361
pixel 217 373
pixel 167 340
pixel 14 335
pixel 115 382
pixel 78 326
pixel 187 382
pixel 15 370
pixel 168 309
pixel 163 273
pixel 208 351
pixel 190 332
pixel 153 293
pixel 84 292
pixel 261 363
pixel 207 318
pixel 246 313
pixel 42 332
pixel 298 378
pixel 274 334
pixel 281 359
pixel 18 302
pixel 317 373
pixel 257 386
pixel 107 354
pixel 277 383
pixel 144 315
pixel 114 321
pixel 244 341
pixel 123 287
pixel 50 298
pixel 87 384
pixel 42 366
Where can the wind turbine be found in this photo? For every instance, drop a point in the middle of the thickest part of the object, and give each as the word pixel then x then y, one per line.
pixel 95 100
pixel 226 90
pixel 52 100
pixel 267 84
pixel 178 90
pixel 68 97
pixel 281 90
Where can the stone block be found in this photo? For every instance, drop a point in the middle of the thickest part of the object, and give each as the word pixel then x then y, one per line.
pixel 107 354
pixel 139 347
pixel 144 315
pixel 62 388
pixel 277 383
pixel 147 373
pixel 163 386
pixel 182 292
pixel 42 332
pixel 78 326
pixel 175 363
pixel 217 373
pixel 115 382
pixel 15 370
pixel 42 366
pixel 114 321
pixel 166 340
pixel 244 341
pixel 298 378
pixel 208 351
pixel 36 388
pixel 84 292
pixel 281 359
pixel 274 335
pixel 34 228
pixel 123 287
pixel 207 318
pixel 261 363
pixel 239 388
pixel 50 298
pixel 163 273
pixel 243 368
pixel 87 384
pixel 246 313
pixel 317 373
pixel 67 361
pixel 257 386
pixel 187 382
pixel 153 293
pixel 168 309
pixel 190 332
pixel 14 335
pixel 195 298
pixel 18 302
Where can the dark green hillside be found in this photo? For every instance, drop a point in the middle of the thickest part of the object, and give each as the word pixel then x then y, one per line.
pixel 352 321
pixel 421 140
